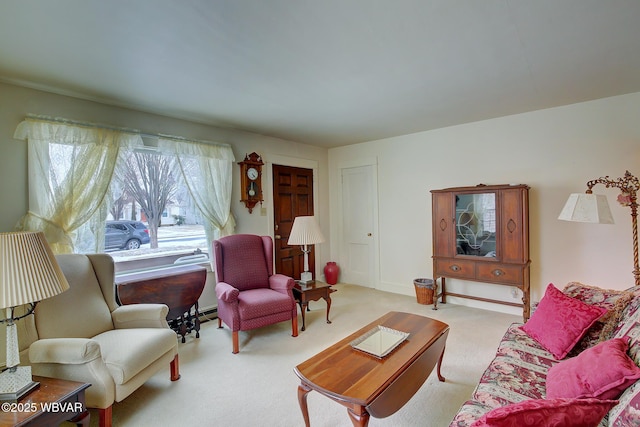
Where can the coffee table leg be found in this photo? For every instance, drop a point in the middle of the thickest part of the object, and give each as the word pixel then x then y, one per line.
pixel 359 418
pixel 440 377
pixel 303 391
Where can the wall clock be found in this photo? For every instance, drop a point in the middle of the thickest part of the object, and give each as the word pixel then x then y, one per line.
pixel 251 180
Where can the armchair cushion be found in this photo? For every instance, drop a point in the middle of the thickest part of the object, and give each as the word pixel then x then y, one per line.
pixel 126 352
pixel 255 303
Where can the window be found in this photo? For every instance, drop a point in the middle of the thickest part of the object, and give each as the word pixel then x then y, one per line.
pixel 95 189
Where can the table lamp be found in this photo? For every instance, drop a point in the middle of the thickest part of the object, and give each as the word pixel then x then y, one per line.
pixel 305 231
pixel 594 208
pixel 29 273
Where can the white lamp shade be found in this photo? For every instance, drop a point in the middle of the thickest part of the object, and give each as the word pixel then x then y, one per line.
pixel 29 271
pixel 584 207
pixel 305 231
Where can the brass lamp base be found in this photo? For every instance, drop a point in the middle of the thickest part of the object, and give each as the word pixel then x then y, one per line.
pixel 15 383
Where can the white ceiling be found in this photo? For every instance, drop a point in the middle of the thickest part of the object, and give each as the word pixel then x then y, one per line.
pixel 325 72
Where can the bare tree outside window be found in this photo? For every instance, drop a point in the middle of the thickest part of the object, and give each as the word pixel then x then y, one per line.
pixel 150 182
pixel 117 209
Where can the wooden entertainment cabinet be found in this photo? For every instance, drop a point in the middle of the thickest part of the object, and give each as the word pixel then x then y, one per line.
pixel 481 234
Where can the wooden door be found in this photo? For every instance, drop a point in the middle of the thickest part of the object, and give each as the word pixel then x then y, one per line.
pixel 292 197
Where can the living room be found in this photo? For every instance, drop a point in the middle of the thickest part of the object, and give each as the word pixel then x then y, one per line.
pixel 554 150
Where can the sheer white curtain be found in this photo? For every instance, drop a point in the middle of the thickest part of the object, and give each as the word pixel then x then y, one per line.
pixel 70 172
pixel 207 173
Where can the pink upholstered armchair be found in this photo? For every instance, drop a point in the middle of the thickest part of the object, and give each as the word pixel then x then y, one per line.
pixel 249 294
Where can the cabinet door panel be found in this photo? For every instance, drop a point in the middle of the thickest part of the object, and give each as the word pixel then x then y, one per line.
pixel 513 227
pixel 443 225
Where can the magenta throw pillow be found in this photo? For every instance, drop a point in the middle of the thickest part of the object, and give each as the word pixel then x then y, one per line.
pixel 603 371
pixel 548 413
pixel 560 321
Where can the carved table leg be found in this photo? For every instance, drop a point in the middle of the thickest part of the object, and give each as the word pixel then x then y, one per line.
pixel 328 300
pixel 440 377
pixel 303 306
pixel 303 391
pixel 359 418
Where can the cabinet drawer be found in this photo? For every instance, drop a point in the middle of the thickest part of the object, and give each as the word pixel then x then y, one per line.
pixel 455 268
pixel 500 273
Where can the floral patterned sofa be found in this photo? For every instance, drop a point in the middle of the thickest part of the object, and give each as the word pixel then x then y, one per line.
pixel 516 379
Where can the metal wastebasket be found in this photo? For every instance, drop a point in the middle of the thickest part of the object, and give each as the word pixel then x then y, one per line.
pixel 425 290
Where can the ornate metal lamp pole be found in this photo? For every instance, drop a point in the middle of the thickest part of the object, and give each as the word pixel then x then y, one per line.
pixel 629 186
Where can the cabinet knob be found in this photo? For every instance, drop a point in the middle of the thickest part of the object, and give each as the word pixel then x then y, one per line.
pixel 277 237
pixel 498 272
pixel 455 268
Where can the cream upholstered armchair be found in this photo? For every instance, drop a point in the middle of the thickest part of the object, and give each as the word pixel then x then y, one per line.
pixel 83 335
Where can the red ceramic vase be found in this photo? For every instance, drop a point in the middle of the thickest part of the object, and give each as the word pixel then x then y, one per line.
pixel 331 272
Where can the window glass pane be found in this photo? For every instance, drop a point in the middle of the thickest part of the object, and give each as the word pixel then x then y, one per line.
pixel 163 226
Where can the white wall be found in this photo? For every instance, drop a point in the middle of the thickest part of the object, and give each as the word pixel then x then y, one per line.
pixel 555 151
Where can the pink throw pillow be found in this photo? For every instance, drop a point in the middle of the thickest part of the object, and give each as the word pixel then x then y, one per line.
pixel 560 321
pixel 548 413
pixel 603 371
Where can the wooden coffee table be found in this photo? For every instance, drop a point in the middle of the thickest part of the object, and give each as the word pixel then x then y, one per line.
pixel 370 386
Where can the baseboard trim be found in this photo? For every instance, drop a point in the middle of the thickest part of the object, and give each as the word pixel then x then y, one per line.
pixel 207 314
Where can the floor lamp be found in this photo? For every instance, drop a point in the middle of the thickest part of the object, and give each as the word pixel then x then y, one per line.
pixel 594 208
pixel 305 232
pixel 29 273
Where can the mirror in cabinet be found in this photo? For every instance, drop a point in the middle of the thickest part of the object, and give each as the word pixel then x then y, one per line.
pixel 476 224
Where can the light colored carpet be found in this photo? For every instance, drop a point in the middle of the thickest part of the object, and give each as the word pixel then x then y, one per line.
pixel 258 386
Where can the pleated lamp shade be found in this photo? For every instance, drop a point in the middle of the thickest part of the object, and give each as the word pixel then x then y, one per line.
pixel 305 231
pixel 585 207
pixel 29 271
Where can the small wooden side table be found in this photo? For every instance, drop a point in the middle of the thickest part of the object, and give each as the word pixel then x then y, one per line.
pixel 303 293
pixel 178 287
pixel 53 402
